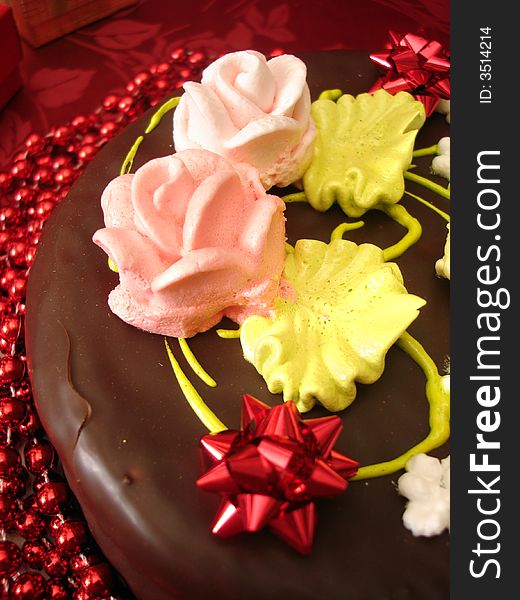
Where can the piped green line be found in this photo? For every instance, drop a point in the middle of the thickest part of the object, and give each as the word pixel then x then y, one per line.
pixel 195 365
pixel 430 185
pixel 439 401
pixel 229 334
pixel 129 158
pixel 426 151
pixel 164 108
pixel 199 407
pixel 440 212
pixel 296 197
pixel 398 213
pixel 337 232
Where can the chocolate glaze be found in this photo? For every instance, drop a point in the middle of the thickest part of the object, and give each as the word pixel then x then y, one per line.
pixel 128 440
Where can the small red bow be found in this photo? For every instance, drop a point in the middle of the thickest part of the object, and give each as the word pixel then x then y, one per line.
pixel 270 472
pixel 416 65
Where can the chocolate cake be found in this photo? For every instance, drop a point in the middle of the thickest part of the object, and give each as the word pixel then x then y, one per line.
pixel 128 440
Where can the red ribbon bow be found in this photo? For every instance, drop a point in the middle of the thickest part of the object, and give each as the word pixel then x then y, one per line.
pixel 270 472
pixel 416 65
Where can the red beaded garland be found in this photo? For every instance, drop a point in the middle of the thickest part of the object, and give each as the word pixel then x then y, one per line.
pixel 38 178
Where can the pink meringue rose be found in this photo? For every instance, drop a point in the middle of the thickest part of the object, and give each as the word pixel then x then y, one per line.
pixel 194 239
pixel 251 110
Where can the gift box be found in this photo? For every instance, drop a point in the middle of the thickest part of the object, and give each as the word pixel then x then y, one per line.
pixel 40 21
pixel 11 53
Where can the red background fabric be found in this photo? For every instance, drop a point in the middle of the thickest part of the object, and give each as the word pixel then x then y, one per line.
pixel 73 74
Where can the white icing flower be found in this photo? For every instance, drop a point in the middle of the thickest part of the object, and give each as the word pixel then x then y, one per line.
pixel 426 485
pixel 442 266
pixel 444 108
pixel 441 163
pixel 253 110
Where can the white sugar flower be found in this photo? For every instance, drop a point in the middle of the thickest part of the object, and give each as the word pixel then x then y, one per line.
pixel 444 108
pixel 441 163
pixel 426 485
pixel 442 266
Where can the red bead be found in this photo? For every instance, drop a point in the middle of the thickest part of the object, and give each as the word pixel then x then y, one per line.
pixel 31 424
pixel 22 169
pixel 29 256
pixel 24 196
pixel 9 215
pixel 43 160
pixel 44 208
pixel 16 252
pixel 82 124
pixel 63 135
pixel 61 161
pixel 6 507
pixel 33 552
pixel 179 54
pixel 161 84
pixel 65 175
pixel 11 369
pixel 43 176
pixel 29 586
pixel 52 498
pixel 30 524
pixel 17 290
pixel 82 594
pixel 98 580
pixel 71 537
pixel 10 558
pixel 7 277
pixel 141 78
pixel 5 238
pixel 57 590
pixel 12 411
pixel 110 102
pixel 13 485
pixel 80 562
pixel 55 564
pixel 6 181
pixel 90 138
pixel 196 58
pixel 34 143
pixel 11 327
pixel 62 194
pixel 22 391
pixel 9 460
pixel 39 456
pixel 108 129
pixel 87 152
pixel 125 104
pixel 163 67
